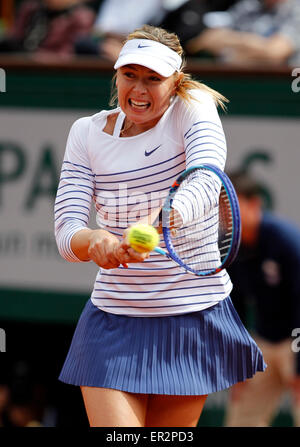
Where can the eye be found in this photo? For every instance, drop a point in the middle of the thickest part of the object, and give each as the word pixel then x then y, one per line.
pixel 128 74
pixel 154 78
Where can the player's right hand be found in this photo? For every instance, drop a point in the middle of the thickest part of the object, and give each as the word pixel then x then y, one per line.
pixel 108 252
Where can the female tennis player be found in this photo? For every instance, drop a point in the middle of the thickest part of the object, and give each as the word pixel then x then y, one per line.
pixel 152 341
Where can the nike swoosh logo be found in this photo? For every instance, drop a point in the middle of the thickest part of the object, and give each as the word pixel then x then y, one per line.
pixel 143 46
pixel 151 152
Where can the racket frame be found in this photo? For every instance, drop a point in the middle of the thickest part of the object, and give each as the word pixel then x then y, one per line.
pixel 236 221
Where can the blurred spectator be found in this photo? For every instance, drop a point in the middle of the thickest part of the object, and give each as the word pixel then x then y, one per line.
pixel 25 395
pixel 266 274
pixel 252 32
pixel 116 18
pixel 22 414
pixel 48 28
pixel 4 404
pixel 186 19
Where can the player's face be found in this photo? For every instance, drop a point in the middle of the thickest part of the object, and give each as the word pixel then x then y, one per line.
pixel 143 94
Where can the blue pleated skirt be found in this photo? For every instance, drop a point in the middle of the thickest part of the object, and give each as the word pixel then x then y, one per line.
pixel 190 354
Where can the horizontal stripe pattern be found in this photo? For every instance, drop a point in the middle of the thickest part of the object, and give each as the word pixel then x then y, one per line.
pixel 125 185
pixel 72 205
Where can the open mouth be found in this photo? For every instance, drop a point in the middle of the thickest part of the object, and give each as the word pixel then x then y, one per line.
pixel 140 105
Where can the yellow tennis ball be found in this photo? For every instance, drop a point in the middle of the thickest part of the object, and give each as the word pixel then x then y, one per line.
pixel 143 237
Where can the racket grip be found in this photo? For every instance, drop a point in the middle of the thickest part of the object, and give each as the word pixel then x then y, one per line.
pixel 160 251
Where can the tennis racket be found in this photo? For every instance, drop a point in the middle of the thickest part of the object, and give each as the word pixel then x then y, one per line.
pixel 209 241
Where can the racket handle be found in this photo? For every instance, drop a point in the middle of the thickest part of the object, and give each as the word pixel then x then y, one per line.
pixel 160 251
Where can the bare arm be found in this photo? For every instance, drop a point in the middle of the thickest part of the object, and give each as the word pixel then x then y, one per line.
pixel 242 46
pixel 104 249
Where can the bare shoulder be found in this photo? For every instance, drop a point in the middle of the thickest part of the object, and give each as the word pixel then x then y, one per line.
pixel 110 123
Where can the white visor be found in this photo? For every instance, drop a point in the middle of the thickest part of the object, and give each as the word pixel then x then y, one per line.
pixel 150 54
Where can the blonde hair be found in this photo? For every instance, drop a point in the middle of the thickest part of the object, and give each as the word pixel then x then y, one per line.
pixel 184 84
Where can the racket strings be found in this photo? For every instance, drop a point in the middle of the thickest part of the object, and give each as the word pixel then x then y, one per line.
pixel 196 251
pixel 202 221
pixel 195 243
pixel 225 225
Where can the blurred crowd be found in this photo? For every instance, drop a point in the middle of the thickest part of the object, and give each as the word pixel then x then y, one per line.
pixel 239 32
pixel 22 398
pixel 30 393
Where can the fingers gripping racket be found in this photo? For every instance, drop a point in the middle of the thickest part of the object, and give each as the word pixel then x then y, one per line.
pixel 208 239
